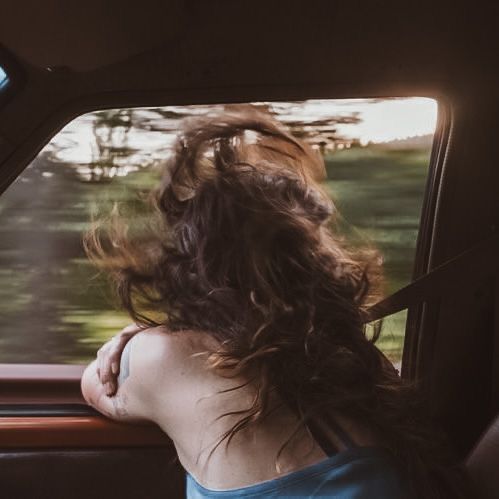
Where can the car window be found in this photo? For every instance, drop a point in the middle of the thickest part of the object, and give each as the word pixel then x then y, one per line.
pixel 53 307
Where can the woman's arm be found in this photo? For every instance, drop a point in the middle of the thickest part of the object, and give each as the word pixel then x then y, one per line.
pixel 135 396
pixel 118 407
pixel 109 357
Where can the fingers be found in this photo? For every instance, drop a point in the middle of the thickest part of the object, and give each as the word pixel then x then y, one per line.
pixel 111 364
pixel 102 371
pixel 109 357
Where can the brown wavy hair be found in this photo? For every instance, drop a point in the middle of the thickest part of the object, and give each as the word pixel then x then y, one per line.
pixel 241 244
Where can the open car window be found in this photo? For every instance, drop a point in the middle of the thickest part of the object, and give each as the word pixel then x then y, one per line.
pixel 53 306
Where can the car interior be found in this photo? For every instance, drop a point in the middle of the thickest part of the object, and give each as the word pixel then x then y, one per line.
pixel 60 60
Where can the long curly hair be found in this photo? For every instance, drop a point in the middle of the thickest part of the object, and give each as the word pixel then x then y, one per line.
pixel 241 244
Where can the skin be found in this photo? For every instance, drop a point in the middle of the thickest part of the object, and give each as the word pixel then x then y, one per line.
pixel 169 384
pixel 109 357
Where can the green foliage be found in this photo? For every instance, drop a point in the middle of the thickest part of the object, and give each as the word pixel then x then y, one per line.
pixel 55 308
pixel 379 193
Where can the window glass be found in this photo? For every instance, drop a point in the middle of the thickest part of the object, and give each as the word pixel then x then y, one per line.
pixel 53 308
pixel 3 78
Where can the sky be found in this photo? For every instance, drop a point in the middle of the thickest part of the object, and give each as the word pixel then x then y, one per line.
pixel 381 121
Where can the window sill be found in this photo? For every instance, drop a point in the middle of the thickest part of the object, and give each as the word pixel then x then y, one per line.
pixel 79 432
pixel 40 383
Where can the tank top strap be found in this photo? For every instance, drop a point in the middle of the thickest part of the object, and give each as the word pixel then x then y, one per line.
pixel 342 434
pixel 325 444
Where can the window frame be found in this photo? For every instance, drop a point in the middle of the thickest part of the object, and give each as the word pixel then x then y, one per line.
pixel 418 340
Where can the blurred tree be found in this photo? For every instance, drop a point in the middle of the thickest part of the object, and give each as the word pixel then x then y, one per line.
pixel 110 150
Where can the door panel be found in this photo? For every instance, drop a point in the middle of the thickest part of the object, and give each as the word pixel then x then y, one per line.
pixel 134 473
pixel 54 446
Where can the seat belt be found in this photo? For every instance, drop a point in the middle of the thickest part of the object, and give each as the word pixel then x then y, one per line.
pixel 479 262
pixel 323 440
pixel 443 279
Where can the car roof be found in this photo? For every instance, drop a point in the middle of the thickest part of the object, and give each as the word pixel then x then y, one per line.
pixel 258 42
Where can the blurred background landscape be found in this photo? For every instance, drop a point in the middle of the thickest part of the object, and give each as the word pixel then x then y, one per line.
pixel 54 308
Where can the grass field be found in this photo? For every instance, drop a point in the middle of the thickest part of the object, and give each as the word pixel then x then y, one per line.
pixel 379 193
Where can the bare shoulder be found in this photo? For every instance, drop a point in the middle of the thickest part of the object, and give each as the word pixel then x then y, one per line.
pixel 157 368
pixel 167 369
pixel 158 351
pixel 161 341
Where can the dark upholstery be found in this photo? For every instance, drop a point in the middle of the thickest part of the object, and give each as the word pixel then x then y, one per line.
pixel 483 464
pixel 133 473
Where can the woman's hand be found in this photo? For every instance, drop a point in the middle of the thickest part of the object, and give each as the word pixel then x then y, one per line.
pixel 109 357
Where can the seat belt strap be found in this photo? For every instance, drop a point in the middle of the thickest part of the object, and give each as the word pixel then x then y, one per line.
pixel 481 259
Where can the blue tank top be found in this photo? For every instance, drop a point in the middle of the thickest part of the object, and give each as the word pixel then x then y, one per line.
pixel 355 473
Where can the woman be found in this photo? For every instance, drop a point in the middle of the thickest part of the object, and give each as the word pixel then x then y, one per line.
pixel 262 346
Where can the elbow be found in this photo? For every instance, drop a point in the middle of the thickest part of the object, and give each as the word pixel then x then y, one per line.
pixel 89 381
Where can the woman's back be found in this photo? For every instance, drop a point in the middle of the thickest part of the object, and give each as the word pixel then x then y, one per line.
pixel 186 405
